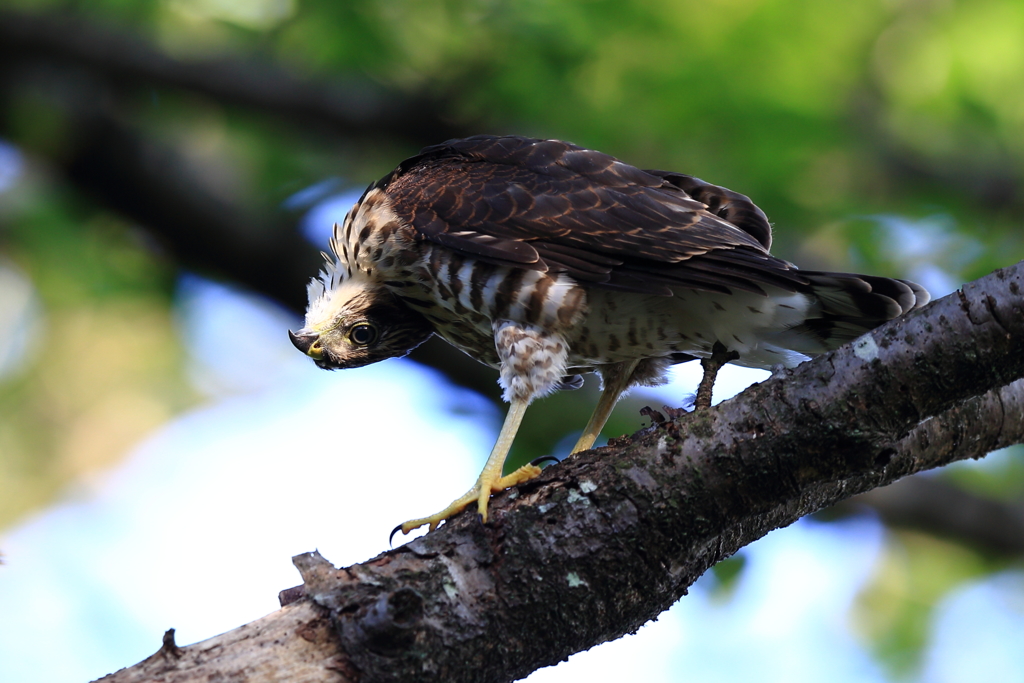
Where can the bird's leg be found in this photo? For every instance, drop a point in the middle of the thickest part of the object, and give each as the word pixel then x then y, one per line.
pixel 490 479
pixel 719 357
pixel 614 384
pixel 532 364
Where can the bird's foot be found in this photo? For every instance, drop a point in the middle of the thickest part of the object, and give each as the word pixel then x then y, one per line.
pixel 481 493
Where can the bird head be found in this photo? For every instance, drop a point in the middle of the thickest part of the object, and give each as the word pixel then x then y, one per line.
pixel 354 324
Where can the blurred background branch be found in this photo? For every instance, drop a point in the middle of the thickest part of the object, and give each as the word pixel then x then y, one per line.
pixel 353 107
pixel 938 507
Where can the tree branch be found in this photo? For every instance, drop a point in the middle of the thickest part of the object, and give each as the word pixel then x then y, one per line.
pixel 939 508
pixel 346 107
pixel 608 539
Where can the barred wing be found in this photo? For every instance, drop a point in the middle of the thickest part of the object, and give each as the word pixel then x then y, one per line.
pixel 549 205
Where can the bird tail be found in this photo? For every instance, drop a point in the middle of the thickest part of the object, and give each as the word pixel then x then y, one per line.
pixel 847 305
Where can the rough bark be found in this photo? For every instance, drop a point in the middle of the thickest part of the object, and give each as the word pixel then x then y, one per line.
pixel 608 539
pixel 294 644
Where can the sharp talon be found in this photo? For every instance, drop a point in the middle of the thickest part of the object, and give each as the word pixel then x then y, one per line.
pixel 487 483
pixel 544 458
pixel 392 536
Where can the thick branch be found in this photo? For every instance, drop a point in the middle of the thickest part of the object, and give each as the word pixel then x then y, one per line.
pixel 608 539
pixel 294 644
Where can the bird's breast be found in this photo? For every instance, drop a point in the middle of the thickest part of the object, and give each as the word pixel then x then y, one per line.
pixel 463 297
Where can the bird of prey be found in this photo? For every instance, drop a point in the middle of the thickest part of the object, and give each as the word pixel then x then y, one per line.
pixel 546 260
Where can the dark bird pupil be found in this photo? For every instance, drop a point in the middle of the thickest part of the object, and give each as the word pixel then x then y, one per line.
pixel 362 334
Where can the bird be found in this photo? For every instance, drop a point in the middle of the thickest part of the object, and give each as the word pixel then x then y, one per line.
pixel 546 261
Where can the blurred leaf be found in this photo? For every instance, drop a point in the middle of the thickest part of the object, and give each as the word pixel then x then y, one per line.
pixel 727 574
pixel 105 366
pixel 1000 475
pixel 895 609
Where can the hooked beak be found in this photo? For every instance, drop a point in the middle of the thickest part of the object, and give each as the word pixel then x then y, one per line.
pixel 306 341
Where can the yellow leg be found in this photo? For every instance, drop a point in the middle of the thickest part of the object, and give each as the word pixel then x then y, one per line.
pixel 490 479
pixel 615 384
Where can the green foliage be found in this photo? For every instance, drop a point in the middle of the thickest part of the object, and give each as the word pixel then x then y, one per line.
pixel 727 574
pixel 1001 477
pixel 894 610
pixel 103 366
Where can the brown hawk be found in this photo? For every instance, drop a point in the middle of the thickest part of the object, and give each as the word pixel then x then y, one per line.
pixel 545 260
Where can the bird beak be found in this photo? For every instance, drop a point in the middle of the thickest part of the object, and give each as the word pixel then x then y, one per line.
pixel 305 341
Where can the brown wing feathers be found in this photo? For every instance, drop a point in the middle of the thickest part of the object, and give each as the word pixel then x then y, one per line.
pixel 549 205
pixel 730 206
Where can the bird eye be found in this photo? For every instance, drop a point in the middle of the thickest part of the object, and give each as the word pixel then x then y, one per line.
pixel 363 334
